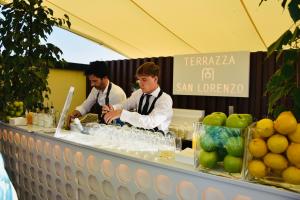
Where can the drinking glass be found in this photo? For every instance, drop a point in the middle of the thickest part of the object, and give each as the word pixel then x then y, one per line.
pixel 178 142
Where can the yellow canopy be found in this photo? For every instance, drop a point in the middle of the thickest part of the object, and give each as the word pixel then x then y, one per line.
pixel 152 28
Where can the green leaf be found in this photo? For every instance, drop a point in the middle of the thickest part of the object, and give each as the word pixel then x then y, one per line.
pixel 296 96
pixel 282 40
pixel 275 81
pixel 290 56
pixel 22 28
pixel 276 95
pixel 296 35
pixel 288 71
pixel 294 10
pixel 277 110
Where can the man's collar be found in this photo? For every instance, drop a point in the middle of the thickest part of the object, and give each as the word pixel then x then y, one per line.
pixel 106 88
pixel 155 92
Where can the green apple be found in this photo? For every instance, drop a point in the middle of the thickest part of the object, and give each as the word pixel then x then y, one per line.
pixel 248 117
pixel 213 120
pixel 208 159
pixel 221 114
pixel 236 121
pixel 233 164
pixel 207 143
pixel 235 146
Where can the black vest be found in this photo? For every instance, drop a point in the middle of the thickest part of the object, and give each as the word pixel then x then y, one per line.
pixel 97 108
pixel 151 107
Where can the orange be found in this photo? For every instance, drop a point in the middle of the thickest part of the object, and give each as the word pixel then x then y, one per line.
pixel 277 143
pixel 265 127
pixel 257 168
pixel 295 136
pixel 291 175
pixel 257 147
pixel 293 153
pixel 276 161
pixel 255 133
pixel 285 123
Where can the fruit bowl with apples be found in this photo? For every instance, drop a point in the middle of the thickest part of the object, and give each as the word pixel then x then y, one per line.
pixel 220 143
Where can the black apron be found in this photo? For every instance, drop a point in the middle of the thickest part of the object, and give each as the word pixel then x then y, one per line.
pixel 150 109
pixel 97 108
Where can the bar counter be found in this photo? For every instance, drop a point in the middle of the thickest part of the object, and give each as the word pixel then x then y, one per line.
pixel 42 166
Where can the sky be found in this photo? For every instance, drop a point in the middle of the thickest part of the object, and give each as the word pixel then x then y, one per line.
pixel 77 49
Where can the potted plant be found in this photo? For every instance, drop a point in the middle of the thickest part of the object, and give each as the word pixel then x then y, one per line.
pixel 284 84
pixel 25 55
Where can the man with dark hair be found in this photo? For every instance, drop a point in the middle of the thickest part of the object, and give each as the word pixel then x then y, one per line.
pixel 153 106
pixel 103 92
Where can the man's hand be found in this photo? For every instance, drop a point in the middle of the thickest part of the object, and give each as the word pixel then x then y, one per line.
pixel 73 115
pixel 110 116
pixel 106 109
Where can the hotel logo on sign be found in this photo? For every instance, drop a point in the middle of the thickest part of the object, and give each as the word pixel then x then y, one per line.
pixel 208 74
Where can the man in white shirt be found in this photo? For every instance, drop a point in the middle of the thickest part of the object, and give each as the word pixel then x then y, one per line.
pixel 153 106
pixel 104 92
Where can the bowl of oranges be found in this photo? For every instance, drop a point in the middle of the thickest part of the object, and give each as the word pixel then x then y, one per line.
pixel 273 152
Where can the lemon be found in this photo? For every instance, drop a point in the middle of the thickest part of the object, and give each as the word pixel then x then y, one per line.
pixel 265 127
pixel 293 153
pixel 285 123
pixel 295 136
pixel 277 143
pixel 257 168
pixel 291 175
pixel 255 133
pixel 276 161
pixel 257 147
pixel 16 103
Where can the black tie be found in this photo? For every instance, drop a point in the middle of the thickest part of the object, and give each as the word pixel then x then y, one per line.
pixel 146 105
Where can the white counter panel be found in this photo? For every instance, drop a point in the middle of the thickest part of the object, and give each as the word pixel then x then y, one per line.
pixel 44 167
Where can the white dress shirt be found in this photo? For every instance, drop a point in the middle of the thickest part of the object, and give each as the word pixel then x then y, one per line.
pixel 160 116
pixel 116 96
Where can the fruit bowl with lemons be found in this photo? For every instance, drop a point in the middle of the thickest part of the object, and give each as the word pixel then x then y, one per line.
pixel 219 143
pixel 273 152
